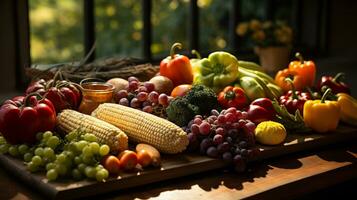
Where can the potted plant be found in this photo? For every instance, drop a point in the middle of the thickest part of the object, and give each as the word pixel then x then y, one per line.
pixel 271 40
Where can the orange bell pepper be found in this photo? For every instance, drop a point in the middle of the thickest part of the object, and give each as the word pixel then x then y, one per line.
pixel 177 67
pixel 297 79
pixel 306 69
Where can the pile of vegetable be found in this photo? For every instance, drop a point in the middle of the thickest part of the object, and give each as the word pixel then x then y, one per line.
pixel 217 106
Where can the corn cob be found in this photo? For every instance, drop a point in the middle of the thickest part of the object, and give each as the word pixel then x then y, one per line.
pixel 69 120
pixel 144 127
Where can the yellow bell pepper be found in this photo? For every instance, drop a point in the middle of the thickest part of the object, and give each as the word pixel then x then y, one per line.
pixel 348 106
pixel 321 115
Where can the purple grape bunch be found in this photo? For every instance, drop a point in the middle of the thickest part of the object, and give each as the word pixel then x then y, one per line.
pixel 228 135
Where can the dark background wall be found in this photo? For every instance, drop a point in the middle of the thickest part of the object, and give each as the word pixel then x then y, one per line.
pixel 342 40
pixel 7 47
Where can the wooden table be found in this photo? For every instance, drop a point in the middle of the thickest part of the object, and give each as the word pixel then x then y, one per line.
pixel 283 177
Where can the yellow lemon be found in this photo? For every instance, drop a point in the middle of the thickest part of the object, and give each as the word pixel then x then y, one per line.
pixel 270 133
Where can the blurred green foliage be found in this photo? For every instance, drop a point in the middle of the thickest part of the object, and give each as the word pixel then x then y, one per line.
pixel 118 25
pixel 56 30
pixel 57 35
pixel 169 20
pixel 214 24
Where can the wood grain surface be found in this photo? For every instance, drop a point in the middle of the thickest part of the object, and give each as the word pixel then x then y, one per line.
pixel 179 166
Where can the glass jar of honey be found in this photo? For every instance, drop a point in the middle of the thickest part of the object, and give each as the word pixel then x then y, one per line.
pixel 95 93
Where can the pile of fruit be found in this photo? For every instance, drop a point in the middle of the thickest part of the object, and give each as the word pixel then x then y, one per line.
pixel 217 106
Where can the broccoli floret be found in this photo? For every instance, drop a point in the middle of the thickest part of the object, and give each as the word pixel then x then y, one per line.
pixel 203 97
pixel 180 111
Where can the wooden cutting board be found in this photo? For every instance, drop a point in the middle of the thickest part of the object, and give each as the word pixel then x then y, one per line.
pixel 173 166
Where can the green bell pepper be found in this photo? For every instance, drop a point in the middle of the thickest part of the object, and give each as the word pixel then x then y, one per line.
pixel 217 71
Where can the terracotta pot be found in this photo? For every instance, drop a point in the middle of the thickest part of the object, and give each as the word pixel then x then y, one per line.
pixel 273 59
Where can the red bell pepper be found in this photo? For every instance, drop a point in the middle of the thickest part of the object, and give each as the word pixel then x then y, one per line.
pixel 232 97
pixel 335 83
pixel 294 100
pixel 20 120
pixel 177 67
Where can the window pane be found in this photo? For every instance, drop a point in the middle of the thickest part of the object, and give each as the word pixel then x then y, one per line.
pixel 118 28
pixel 170 21
pixel 56 30
pixel 214 24
pixel 252 9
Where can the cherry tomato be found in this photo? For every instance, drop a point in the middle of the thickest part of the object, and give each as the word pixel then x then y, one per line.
pixel 112 164
pixel 144 158
pixel 128 160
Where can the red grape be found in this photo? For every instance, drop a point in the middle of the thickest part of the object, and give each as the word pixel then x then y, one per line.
pixel 211 119
pixel 239 163
pixel 135 103
pixel 205 128
pixel 205 143
pixel 133 85
pixel 230 117
pixel 221 119
pixel 124 102
pixel 212 152
pixel 121 94
pixel 249 127
pixel 236 125
pixel 244 153
pixel 198 116
pixel 224 147
pixel 227 156
pixel 149 86
pixel 242 123
pixel 214 112
pixel 220 131
pixel 232 132
pixel 148 109
pixel 232 110
pixel 243 144
pixel 244 115
pixel 197 121
pixel 229 140
pixel 142 89
pixel 217 139
pixel 142 96
pixel 195 129
pixel 163 99
pixel 191 137
pixel 239 114
pixel 237 158
pixel 147 103
pixel 133 78
pixel 153 96
pixel 237 151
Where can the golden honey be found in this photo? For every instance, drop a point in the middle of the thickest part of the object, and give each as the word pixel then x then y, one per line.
pixel 94 94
